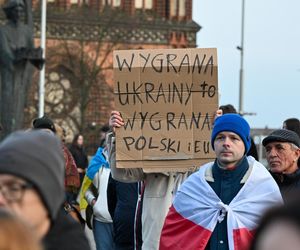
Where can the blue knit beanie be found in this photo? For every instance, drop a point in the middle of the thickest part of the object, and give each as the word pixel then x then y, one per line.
pixel 233 123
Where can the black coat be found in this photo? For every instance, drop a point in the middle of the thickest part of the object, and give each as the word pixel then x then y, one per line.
pixel 126 213
pixel 79 156
pixel 65 234
pixel 288 183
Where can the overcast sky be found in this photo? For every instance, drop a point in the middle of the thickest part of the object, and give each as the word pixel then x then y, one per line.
pixel 271 55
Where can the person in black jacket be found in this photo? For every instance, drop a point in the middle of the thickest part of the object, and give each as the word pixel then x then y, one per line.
pixel 79 155
pixel 292 124
pixel 125 207
pixel 282 152
pixel 32 187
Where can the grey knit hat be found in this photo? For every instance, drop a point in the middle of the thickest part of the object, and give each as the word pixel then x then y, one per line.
pixel 282 135
pixel 37 157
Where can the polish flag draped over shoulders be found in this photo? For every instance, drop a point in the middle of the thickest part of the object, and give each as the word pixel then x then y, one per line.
pixel 196 210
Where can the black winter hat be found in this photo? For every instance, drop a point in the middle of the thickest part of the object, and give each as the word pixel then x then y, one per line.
pixel 44 122
pixel 37 157
pixel 282 135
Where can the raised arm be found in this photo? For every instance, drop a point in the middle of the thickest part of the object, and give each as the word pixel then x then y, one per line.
pixel 120 174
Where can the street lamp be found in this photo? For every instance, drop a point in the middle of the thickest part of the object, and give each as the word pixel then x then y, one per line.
pixel 43 46
pixel 241 49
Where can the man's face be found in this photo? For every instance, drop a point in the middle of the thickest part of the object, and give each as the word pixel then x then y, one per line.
pixel 229 149
pixel 282 157
pixel 23 200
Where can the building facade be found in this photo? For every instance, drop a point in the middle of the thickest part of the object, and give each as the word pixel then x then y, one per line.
pixel 81 36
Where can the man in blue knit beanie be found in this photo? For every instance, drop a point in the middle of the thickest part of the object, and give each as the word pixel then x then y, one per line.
pixel 219 206
pixel 232 123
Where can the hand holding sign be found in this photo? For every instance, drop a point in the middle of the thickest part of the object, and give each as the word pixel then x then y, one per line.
pixel 115 120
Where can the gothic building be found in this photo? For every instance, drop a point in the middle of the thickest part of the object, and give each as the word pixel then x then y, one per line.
pixel 81 36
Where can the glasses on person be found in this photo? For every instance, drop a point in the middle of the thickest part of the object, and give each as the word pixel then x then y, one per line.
pixel 14 192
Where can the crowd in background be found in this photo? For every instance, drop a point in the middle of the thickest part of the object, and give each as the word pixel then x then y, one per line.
pixel 56 190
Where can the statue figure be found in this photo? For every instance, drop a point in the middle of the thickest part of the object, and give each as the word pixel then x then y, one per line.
pixel 17 55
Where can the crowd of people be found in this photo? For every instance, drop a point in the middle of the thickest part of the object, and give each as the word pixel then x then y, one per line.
pixel 50 192
pixel 233 202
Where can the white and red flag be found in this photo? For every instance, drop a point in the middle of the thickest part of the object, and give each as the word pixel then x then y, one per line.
pixel 197 209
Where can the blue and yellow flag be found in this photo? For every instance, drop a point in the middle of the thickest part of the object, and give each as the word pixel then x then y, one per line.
pixel 99 160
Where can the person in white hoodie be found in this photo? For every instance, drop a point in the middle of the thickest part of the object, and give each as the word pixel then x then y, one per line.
pixel 96 195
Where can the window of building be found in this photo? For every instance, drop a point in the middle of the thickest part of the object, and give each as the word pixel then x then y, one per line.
pixel 144 4
pixel 181 9
pixel 114 3
pixel 177 8
pixel 106 2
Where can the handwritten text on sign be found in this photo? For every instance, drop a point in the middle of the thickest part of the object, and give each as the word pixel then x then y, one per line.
pixel 167 99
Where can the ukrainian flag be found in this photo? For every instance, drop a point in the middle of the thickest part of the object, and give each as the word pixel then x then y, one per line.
pixel 99 160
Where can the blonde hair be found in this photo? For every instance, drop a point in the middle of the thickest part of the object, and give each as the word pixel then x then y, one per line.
pixel 15 234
